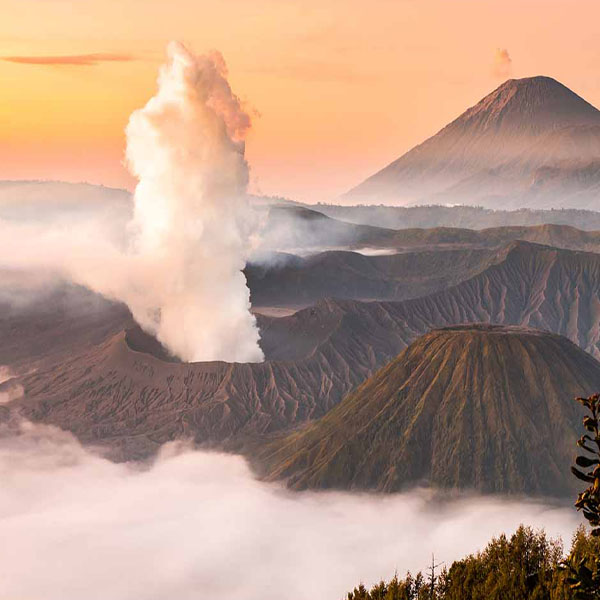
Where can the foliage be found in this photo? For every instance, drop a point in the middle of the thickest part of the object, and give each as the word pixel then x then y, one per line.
pixel 582 567
pixel 526 566
pixel 588 501
pixel 409 588
pixel 584 572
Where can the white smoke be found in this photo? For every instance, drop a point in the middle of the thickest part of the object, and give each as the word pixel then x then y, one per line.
pixel 197 525
pixel 10 392
pixel 5 373
pixel 192 219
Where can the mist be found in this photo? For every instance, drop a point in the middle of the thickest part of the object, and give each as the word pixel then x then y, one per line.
pixel 197 525
pixel 10 391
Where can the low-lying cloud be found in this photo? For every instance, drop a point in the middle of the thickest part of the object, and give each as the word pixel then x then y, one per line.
pixel 198 525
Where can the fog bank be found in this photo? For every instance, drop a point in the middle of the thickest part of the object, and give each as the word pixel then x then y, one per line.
pixel 197 525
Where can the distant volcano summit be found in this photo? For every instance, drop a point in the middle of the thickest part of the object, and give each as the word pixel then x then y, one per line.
pixel 530 143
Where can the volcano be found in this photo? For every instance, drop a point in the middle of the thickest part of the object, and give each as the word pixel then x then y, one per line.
pixel 474 407
pixel 110 385
pixel 530 143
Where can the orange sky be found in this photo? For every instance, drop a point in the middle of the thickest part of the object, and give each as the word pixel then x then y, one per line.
pixel 340 87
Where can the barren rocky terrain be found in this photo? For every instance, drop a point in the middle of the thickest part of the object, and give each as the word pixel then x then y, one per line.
pixel 98 376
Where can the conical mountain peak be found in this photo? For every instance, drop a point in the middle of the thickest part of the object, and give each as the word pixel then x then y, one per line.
pixel 492 153
pixel 475 406
pixel 530 105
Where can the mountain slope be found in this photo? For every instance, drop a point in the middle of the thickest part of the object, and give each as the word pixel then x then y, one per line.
pixel 115 391
pixel 475 407
pixel 300 281
pixel 526 284
pixel 489 154
pixel 427 260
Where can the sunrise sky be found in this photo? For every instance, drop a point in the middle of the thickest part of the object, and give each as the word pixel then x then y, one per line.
pixel 338 88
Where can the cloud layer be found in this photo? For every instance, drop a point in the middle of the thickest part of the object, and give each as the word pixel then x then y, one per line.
pixel 197 525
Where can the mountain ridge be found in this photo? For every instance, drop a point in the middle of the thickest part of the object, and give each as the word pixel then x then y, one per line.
pixel 108 393
pixel 419 262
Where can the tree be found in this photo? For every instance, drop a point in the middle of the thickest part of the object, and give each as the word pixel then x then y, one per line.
pixel 433 580
pixel 584 566
pixel 588 501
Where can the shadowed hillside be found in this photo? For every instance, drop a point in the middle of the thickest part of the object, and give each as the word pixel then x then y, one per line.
pixel 295 281
pixel 428 260
pixel 527 284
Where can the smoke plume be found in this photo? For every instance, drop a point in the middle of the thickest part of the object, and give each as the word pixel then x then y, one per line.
pixel 502 67
pixel 192 220
pixel 10 392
